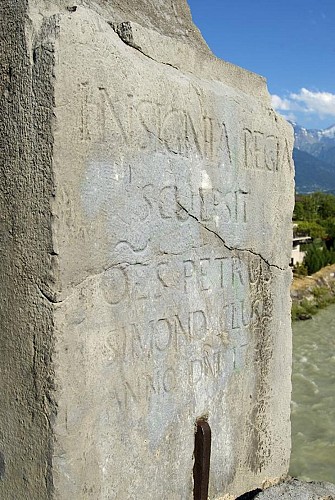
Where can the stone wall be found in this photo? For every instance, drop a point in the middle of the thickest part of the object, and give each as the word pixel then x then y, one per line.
pixel 146 222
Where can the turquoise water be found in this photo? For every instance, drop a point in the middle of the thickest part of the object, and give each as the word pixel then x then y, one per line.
pixel 313 398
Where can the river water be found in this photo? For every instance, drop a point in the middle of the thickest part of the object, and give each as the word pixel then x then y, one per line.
pixel 313 398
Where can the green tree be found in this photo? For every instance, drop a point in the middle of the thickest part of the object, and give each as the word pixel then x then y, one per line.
pixel 299 210
pixel 326 205
pixel 329 225
pixel 312 228
pixel 317 256
pixel 315 215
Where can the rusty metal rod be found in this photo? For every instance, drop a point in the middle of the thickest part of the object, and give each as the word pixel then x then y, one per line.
pixel 202 453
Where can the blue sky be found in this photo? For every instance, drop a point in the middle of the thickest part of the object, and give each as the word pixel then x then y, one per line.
pixel 290 42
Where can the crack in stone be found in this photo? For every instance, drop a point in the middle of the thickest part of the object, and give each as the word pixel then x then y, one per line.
pixel 232 249
pixel 50 297
pixel 125 33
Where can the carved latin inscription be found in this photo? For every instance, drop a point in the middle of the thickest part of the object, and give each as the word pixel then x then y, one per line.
pixel 152 126
pixel 265 152
pixel 128 284
pixel 203 336
pixel 179 303
pixel 131 341
pixel 146 125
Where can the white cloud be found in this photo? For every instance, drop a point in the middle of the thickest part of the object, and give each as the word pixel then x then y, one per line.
pixel 279 103
pixel 291 117
pixel 306 101
pixel 321 103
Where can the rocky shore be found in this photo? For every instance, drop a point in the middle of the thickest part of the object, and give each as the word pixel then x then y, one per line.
pixel 309 294
pixel 290 489
pixel 293 489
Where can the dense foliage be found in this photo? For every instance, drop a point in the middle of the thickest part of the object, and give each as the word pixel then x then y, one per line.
pixel 314 215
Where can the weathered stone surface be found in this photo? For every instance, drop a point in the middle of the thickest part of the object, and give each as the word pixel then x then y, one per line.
pixel 147 197
pixel 299 490
pixel 26 318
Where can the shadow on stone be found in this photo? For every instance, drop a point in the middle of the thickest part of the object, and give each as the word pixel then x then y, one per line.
pixel 249 494
pixel 2 465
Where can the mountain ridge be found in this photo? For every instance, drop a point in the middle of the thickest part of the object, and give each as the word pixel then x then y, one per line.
pixel 314 158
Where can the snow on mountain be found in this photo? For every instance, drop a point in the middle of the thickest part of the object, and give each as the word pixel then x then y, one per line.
pixel 318 143
pixel 314 158
pixel 329 132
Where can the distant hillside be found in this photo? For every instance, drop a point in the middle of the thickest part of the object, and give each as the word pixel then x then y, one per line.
pixel 312 174
pixel 314 158
pixel 328 156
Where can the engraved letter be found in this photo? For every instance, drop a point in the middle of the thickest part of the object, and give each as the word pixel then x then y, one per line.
pixel 172 131
pixel 205 281
pixel 259 150
pixel 169 380
pixel 111 127
pixel 198 324
pixel 196 371
pixel 163 334
pixel 114 285
pixel 188 274
pixel 85 135
pixel 271 153
pixel 248 149
pixel 224 155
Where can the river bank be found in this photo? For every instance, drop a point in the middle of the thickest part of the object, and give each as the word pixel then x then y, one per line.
pixel 309 294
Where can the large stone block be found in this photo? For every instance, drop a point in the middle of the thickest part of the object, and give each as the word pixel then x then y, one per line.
pixel 147 197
